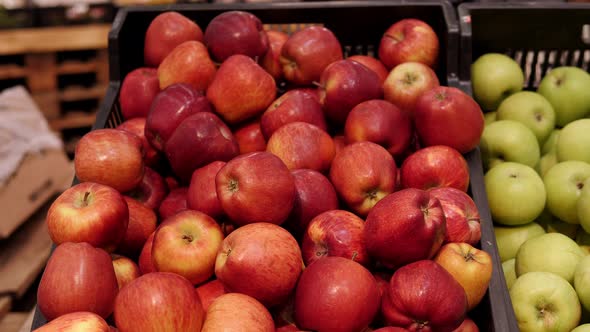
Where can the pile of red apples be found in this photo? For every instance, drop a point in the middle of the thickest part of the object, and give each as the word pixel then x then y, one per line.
pixel 337 202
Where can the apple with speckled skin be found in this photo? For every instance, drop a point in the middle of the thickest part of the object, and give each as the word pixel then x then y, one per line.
pixel 237 312
pixel 406 82
pixel 126 270
pixel 409 40
pixel 461 215
pixel 372 63
pixel 202 195
pixel 138 90
pixel 76 322
pixel 187 63
pixel 136 126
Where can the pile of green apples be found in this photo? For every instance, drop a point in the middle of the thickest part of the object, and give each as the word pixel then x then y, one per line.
pixel 536 154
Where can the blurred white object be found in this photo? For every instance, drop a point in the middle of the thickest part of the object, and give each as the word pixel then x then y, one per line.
pixel 23 130
pixel 13 4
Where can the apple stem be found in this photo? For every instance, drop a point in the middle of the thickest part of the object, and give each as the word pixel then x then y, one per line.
pixel 188 238
pixel 317 84
pixel 354 254
pixel 85 200
pixel 469 257
pixel 580 185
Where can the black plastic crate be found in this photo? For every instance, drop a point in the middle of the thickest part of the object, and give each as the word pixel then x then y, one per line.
pixel 539 36
pixel 359 26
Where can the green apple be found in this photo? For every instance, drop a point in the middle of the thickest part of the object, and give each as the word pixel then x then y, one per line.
pixel 508 268
pixel 532 110
pixel 583 206
pixel 495 76
pixel 509 140
pixel 563 184
pixel 489 117
pixel 510 238
pixel 582 328
pixel 551 252
pixel 574 141
pixel 566 88
pixel 545 163
pixel 582 282
pixel 516 195
pixel 550 144
pixel 544 302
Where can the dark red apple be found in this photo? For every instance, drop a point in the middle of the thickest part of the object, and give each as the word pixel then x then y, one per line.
pixel 152 189
pixel 111 157
pixel 336 294
pixel 142 223
pixel 314 195
pixel 175 202
pixel 406 82
pixel 362 174
pixel 271 59
pixel 295 105
pixel 158 302
pixel 424 296
pixel 136 126
pixel 209 291
pixel 409 40
pixel 374 64
pixel 199 140
pixel 307 53
pixel 170 107
pixel 241 89
pixel 188 63
pixel 88 212
pixel 435 166
pixel 261 260
pixel 335 233
pixel 250 138
pixel 404 227
pixel 448 116
pixel 380 122
pixel 202 194
pixel 78 277
pixel 461 215
pixel 138 90
pixel 345 84
pixel 165 32
pixel 235 32
pixel 256 187
pixel 145 263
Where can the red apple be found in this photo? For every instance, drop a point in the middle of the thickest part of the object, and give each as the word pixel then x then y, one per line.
pixel 125 270
pixel 362 174
pixel 335 233
pixel 152 189
pixel 210 291
pixel 261 260
pixel 241 89
pixel 468 325
pixel 76 322
pixel 142 223
pixel 336 294
pixel 136 126
pixel 380 122
pixel 374 64
pixel 404 227
pixel 406 82
pixel 235 32
pixel 448 116
pixel 188 63
pixel 145 263
pixel 255 187
pixel 435 166
pixel 314 195
pixel 165 32
pixel 409 40
pixel 199 140
pixel 461 215
pixel 345 84
pixel 471 267
pixel 271 59
pixel 187 244
pixel 424 296
pixel 78 277
pixel 159 302
pixel 175 202
pixel 170 107
pixel 138 90
pixel 302 145
pixel 171 182
pixel 236 313
pixel 249 137
pixel 295 105
pixel 307 53
pixel 88 212
pixel 111 157
pixel 202 194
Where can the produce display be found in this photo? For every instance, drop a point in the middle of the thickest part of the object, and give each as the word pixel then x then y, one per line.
pixel 535 147
pixel 264 181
